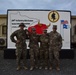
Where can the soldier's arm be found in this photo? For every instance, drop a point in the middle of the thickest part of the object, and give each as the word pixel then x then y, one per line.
pixel 27 34
pixel 12 37
pixel 60 41
pixel 48 38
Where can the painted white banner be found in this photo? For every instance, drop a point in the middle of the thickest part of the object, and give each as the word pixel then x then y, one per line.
pixel 31 17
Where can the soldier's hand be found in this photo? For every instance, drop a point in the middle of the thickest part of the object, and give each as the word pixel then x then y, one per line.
pixel 17 41
pixel 49 25
pixel 27 32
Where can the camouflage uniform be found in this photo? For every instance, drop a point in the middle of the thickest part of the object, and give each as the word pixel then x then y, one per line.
pixel 34 49
pixel 55 44
pixel 44 49
pixel 21 46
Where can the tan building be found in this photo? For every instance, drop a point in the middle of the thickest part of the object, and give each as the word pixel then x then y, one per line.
pixel 3 28
pixel 3 25
pixel 73 28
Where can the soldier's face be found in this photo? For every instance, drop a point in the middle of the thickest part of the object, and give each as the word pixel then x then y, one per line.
pixel 21 27
pixel 54 29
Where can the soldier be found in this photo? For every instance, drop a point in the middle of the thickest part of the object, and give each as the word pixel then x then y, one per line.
pixel 55 44
pixel 34 49
pixel 44 41
pixel 20 45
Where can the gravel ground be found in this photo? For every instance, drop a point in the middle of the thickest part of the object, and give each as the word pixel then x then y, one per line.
pixel 8 67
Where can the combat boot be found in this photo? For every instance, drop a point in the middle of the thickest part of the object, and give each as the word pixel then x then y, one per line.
pixel 36 67
pixel 18 68
pixel 57 68
pixel 50 68
pixel 40 67
pixel 31 68
pixel 25 67
pixel 46 67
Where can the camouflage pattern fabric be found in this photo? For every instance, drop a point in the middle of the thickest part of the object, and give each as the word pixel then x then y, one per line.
pixel 55 44
pixel 21 46
pixel 34 49
pixel 44 50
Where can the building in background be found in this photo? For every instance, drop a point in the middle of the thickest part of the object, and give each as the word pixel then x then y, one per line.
pixel 73 29
pixel 3 30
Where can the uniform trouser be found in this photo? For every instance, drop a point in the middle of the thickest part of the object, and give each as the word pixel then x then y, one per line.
pixel 44 57
pixel 21 52
pixel 54 55
pixel 34 53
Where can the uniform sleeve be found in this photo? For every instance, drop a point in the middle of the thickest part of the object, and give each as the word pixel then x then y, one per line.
pixel 12 37
pixel 48 34
pixel 27 34
pixel 50 37
pixel 60 41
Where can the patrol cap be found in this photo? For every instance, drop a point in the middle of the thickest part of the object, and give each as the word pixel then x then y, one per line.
pixel 33 29
pixel 21 24
pixel 55 26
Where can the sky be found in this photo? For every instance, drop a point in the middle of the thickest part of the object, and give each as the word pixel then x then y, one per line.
pixel 38 4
